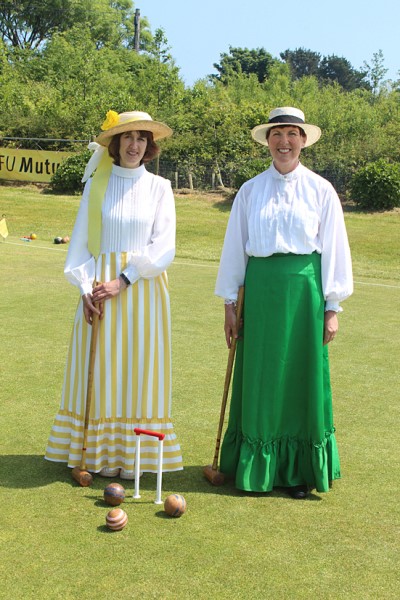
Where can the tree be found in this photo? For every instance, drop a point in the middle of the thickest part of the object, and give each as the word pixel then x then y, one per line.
pixel 28 24
pixel 166 73
pixel 327 69
pixel 111 22
pixel 91 80
pixel 376 71
pixel 243 60
pixel 335 68
pixel 64 87
pixel 302 62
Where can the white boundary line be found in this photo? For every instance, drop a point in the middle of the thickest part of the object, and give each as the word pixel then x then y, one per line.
pixel 194 264
pixel 188 264
pixel 396 287
pixel 25 244
pixel 191 264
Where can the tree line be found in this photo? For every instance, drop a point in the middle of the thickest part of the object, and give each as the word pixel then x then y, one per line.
pixel 65 63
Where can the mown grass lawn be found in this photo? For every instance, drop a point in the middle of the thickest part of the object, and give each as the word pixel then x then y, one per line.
pixel 53 543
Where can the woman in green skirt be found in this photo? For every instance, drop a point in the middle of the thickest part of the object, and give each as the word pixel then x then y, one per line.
pixel 286 242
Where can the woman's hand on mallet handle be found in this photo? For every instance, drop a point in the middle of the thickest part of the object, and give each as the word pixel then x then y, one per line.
pixel 331 326
pixel 89 308
pixel 109 289
pixel 230 326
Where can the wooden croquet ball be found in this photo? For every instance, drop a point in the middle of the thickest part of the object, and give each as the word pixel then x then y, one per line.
pixel 116 519
pixel 33 236
pixel 114 494
pixel 65 239
pixel 175 505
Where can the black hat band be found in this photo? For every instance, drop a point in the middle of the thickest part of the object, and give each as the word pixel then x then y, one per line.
pixel 286 119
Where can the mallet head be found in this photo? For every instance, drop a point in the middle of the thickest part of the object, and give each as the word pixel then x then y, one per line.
pixel 213 475
pixel 84 478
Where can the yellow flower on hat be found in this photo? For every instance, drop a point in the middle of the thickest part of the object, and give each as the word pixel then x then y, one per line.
pixel 112 119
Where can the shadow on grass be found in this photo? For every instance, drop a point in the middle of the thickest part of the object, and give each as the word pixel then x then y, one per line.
pixel 26 471
pixel 32 471
pixel 224 205
pixel 105 529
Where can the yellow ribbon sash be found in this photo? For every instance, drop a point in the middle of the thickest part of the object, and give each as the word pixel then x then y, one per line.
pixel 96 196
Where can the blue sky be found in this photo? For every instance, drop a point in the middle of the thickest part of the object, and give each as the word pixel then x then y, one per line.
pixel 198 32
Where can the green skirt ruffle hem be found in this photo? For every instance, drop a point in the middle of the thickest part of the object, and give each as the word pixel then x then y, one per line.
pixel 280 431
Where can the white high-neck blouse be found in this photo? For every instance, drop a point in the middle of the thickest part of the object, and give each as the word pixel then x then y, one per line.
pixel 297 213
pixel 138 217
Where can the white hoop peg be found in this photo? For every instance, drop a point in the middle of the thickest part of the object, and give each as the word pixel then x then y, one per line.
pixel 160 437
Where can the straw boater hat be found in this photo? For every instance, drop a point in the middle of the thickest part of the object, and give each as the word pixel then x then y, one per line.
pixel 101 163
pixel 286 115
pixel 131 121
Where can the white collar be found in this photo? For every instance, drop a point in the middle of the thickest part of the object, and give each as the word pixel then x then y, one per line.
pixel 288 176
pixel 128 173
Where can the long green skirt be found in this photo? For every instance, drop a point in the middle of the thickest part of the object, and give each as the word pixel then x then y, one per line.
pixel 280 431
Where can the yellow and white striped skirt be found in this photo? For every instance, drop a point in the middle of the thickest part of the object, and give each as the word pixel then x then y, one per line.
pixel 131 384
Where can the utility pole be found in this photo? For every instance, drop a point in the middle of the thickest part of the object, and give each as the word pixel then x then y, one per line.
pixel 137 30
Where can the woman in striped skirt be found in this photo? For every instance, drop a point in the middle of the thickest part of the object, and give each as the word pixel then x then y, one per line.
pixel 122 243
pixel 286 242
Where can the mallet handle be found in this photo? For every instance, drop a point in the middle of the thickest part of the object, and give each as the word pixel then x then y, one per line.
pixel 156 434
pixel 228 376
pixel 89 389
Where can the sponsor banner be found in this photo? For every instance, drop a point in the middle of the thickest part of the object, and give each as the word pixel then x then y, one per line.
pixel 30 165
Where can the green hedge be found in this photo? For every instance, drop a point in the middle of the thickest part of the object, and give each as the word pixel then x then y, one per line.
pixel 377 186
pixel 67 178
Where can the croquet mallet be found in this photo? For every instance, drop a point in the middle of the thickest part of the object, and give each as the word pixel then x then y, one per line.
pixel 80 474
pixel 211 471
